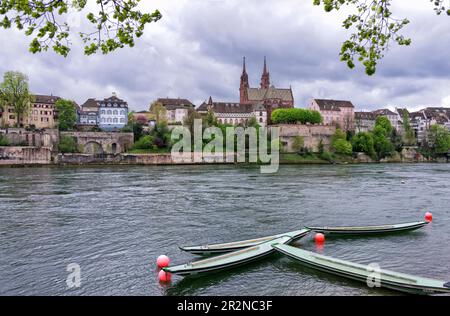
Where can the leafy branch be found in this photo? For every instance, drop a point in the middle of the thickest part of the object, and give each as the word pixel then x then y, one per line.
pixel 375 29
pixel 116 24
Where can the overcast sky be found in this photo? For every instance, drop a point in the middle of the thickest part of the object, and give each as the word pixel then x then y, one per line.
pixel 196 51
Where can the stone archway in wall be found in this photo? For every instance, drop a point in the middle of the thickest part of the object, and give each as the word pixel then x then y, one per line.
pixel 93 148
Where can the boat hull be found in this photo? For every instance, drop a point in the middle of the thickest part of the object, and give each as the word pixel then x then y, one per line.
pixel 238 245
pixel 369 230
pixel 385 283
pixel 229 260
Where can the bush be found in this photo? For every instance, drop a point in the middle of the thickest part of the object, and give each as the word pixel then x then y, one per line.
pixel 4 141
pixel 293 116
pixel 326 155
pixel 67 144
pixel 342 146
pixel 127 129
pixel 145 142
pixel 363 142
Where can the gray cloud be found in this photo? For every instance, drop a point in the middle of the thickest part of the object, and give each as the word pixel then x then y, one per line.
pixel 196 51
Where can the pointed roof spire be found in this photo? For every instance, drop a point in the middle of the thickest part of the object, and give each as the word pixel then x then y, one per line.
pixel 210 102
pixel 265 78
pixel 244 68
pixel 265 66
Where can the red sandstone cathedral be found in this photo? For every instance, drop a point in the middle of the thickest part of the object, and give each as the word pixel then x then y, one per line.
pixel 256 102
pixel 266 94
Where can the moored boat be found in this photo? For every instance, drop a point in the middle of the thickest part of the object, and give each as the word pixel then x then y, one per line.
pixel 377 277
pixel 367 230
pixel 236 245
pixel 230 259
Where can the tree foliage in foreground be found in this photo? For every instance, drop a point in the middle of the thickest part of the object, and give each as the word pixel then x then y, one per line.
pixel 375 28
pixel 114 24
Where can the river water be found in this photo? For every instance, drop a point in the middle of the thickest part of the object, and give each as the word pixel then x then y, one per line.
pixel 114 222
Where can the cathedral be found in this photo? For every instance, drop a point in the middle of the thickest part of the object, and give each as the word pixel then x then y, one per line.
pixel 253 102
pixel 266 94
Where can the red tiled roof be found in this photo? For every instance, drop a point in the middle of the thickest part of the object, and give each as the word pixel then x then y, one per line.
pixel 365 116
pixel 175 103
pixel 226 107
pixel 383 112
pixel 333 105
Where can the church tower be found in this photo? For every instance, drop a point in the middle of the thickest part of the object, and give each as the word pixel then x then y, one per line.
pixel 243 89
pixel 265 78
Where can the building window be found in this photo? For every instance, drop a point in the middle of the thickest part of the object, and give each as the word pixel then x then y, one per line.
pixel 115 120
pixel 260 120
pixel 103 111
pixel 115 112
pixel 122 112
pixel 109 120
pixel 109 112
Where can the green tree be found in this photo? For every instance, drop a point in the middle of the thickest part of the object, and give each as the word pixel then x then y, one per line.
pixel 67 114
pixel 363 142
pixel 159 111
pixel 340 144
pixel 113 24
pixel 4 141
pixel 382 143
pixel 161 135
pixel 252 122
pixel 67 144
pixel 190 119
pixel 439 139
pixel 383 121
pixel 409 136
pixel 14 92
pixel 145 142
pixel 210 120
pixel 375 29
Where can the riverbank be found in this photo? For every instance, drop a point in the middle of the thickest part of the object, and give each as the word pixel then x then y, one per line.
pixel 30 160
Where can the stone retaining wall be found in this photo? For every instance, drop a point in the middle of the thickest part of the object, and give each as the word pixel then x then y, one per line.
pixel 25 155
pixel 311 135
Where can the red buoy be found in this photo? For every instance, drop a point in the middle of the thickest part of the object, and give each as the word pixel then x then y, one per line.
pixel 164 276
pixel 319 238
pixel 428 217
pixel 163 261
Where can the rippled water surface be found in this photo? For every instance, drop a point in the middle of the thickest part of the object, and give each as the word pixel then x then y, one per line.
pixel 115 221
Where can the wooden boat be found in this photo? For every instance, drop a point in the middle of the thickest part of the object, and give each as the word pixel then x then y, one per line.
pixel 366 230
pixel 233 246
pixel 388 279
pixel 230 259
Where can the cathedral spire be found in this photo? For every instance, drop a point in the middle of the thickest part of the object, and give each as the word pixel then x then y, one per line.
pixel 265 78
pixel 243 88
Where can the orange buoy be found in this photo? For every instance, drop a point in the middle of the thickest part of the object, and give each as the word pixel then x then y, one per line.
pixel 319 238
pixel 163 261
pixel 428 217
pixel 164 276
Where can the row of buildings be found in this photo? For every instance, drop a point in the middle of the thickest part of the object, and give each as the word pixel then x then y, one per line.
pixel 254 102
